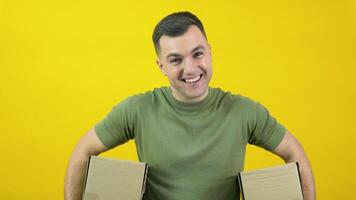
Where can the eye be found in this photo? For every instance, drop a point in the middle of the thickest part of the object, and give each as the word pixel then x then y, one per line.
pixel 198 54
pixel 175 61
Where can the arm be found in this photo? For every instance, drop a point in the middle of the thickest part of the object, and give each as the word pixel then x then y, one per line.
pixel 290 150
pixel 88 145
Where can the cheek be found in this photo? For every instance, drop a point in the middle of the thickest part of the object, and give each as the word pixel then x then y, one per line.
pixel 206 62
pixel 174 73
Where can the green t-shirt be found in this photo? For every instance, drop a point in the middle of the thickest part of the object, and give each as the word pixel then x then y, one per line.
pixel 193 150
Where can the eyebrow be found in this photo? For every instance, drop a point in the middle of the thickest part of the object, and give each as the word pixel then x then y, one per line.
pixel 177 55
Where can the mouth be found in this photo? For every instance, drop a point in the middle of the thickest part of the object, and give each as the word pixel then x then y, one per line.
pixel 192 79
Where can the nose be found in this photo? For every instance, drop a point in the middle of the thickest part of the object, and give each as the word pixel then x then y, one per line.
pixel 190 65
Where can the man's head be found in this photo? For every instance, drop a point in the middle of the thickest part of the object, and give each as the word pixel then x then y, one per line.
pixel 184 55
pixel 175 24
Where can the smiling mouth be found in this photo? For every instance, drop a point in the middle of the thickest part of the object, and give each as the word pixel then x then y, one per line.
pixel 192 80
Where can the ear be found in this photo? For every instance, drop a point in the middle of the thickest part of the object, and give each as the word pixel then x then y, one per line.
pixel 160 66
pixel 210 52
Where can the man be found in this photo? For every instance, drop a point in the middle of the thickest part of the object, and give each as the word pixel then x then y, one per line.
pixel 192 137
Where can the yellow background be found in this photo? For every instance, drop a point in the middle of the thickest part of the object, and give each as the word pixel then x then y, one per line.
pixel 64 64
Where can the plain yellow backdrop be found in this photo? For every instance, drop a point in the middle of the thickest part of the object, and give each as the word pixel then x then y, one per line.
pixel 64 64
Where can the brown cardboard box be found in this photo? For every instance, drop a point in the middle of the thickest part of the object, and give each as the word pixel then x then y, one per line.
pixel 112 179
pixel 277 183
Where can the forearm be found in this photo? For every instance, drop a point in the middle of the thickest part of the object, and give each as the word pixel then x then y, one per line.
pixel 74 180
pixel 290 150
pixel 88 145
pixel 306 176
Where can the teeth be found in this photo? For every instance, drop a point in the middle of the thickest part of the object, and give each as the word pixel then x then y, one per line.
pixel 192 80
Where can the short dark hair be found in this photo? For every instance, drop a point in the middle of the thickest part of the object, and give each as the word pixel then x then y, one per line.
pixel 175 24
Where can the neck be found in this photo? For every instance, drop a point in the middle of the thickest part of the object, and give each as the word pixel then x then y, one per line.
pixel 181 98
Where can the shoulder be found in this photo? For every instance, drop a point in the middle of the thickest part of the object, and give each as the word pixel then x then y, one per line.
pixel 146 99
pixel 239 101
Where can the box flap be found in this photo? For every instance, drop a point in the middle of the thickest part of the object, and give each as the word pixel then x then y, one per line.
pixel 278 183
pixel 112 179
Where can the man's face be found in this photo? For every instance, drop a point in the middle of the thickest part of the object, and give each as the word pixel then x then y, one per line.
pixel 186 61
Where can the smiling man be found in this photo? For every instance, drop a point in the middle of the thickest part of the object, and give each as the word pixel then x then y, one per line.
pixel 186 61
pixel 193 137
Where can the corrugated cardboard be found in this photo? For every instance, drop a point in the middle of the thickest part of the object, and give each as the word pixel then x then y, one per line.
pixel 112 179
pixel 277 183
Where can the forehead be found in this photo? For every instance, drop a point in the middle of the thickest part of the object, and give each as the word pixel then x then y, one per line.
pixel 182 44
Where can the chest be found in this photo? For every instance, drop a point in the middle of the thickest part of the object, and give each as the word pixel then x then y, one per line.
pixel 211 140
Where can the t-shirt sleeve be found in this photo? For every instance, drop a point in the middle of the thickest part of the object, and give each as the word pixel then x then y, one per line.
pixel 265 130
pixel 118 126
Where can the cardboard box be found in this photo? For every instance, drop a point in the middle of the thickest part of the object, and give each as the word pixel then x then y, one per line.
pixel 112 179
pixel 277 183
